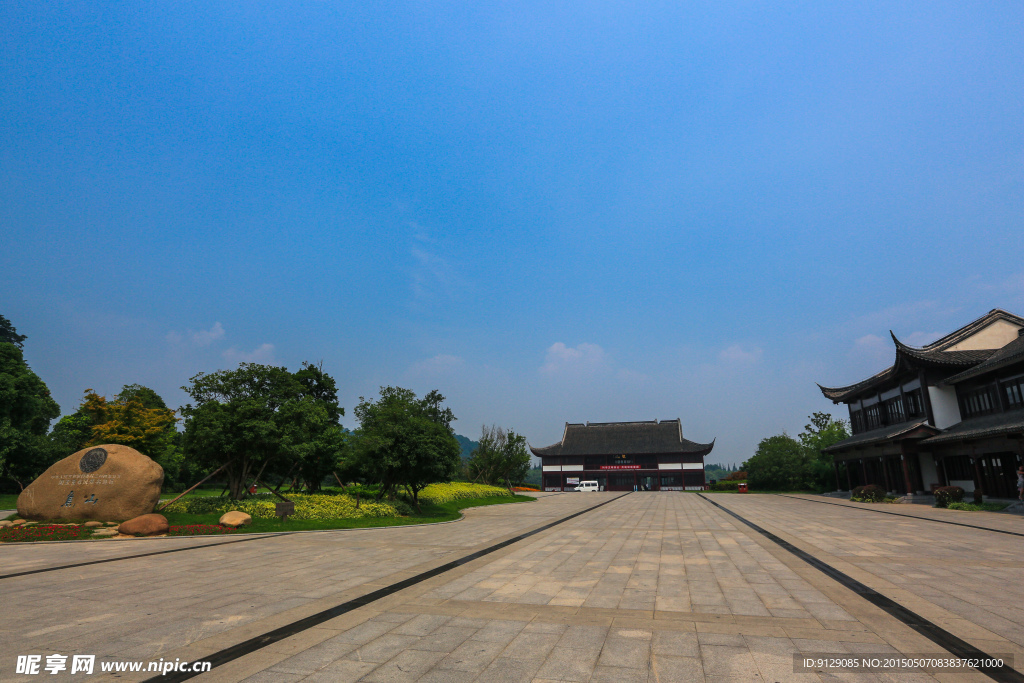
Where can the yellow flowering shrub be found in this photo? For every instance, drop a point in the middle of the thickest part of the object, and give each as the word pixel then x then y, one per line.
pixel 307 506
pixel 456 490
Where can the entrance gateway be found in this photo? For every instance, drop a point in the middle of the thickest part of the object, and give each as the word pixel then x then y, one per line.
pixel 624 456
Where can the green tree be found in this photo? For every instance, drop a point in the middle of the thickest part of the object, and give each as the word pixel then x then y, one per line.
pixel 780 462
pixel 822 432
pixel 406 442
pixel 500 458
pixel 260 419
pixel 9 334
pixel 324 448
pixel 26 410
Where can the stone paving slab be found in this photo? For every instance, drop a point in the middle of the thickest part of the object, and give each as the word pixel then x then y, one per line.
pixel 651 587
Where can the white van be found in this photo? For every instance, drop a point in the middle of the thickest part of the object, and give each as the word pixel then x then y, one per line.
pixel 586 486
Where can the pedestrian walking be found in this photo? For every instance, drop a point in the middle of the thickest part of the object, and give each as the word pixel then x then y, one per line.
pixel 1020 483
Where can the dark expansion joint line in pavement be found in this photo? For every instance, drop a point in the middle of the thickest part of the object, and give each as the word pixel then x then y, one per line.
pixel 898 514
pixel 245 647
pixel 931 631
pixel 132 557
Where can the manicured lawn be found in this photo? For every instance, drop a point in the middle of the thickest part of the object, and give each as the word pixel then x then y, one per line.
pixel 8 501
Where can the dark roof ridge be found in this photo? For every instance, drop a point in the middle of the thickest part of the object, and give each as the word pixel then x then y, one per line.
pixel 967 330
pixel 1008 355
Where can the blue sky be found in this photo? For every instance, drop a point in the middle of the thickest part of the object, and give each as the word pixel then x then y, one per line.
pixel 589 211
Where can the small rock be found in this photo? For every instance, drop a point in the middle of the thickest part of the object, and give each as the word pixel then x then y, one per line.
pixel 93 523
pixel 235 519
pixel 18 521
pixel 113 523
pixel 145 525
pixel 5 523
pixel 104 533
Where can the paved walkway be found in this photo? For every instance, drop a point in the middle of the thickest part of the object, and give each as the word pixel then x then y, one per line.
pixel 657 587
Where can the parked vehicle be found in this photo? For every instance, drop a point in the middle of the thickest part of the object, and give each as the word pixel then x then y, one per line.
pixel 587 486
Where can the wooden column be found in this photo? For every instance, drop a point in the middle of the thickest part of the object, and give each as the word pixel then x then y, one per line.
pixel 979 483
pixel 909 488
pixel 835 468
pixel 940 465
pixel 849 483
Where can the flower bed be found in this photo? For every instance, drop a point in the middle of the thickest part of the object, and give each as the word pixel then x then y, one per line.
pixel 326 506
pixel 525 489
pixel 307 506
pixel 456 490
pixel 42 533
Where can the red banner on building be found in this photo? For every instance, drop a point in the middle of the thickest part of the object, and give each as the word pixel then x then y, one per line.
pixel 620 467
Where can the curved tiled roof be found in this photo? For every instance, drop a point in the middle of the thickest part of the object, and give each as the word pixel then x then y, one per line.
pixel 839 393
pixel 1008 355
pixel 614 438
pixel 930 355
pixel 1011 422
pixel 886 433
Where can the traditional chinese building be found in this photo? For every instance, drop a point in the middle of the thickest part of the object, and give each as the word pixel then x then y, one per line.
pixel 623 456
pixel 949 413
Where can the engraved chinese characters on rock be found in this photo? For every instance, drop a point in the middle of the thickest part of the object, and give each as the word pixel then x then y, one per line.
pixel 109 482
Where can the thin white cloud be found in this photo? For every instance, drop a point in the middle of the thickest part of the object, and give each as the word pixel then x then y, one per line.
pixel 207 337
pixel 584 358
pixel 174 338
pixel 264 353
pixel 440 364
pixel 738 354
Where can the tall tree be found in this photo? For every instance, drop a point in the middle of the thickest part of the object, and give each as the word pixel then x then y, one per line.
pixel 9 334
pixel 260 419
pixel 406 442
pixel 325 445
pixel 26 410
pixel 822 432
pixel 779 463
pixel 500 458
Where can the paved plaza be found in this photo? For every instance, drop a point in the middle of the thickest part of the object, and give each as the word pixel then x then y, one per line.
pixel 659 587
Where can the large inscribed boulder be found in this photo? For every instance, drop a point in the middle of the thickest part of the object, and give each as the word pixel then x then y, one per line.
pixel 102 482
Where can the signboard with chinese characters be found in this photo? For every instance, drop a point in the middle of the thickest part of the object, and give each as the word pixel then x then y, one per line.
pixel 620 467
pixel 572 481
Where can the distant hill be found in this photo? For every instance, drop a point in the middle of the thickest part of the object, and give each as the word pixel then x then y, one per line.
pixel 467 445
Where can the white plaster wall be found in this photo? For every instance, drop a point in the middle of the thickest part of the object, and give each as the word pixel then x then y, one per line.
pixel 994 336
pixel 944 406
pixel 929 473
pixel 966 484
